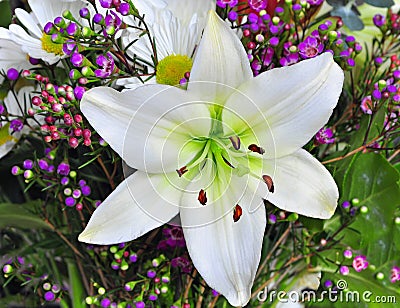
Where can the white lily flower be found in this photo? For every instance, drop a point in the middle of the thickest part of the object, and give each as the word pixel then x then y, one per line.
pixel 176 29
pixel 199 153
pixel 34 41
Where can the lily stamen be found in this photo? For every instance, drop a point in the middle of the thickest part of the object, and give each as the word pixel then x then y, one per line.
pixel 202 197
pixel 256 149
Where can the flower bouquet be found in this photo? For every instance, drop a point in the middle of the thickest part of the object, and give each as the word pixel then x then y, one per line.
pixel 168 153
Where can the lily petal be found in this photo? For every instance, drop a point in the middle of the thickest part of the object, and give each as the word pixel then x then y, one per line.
pixel 139 204
pixel 226 253
pixel 302 185
pixel 220 59
pixel 285 107
pixel 158 120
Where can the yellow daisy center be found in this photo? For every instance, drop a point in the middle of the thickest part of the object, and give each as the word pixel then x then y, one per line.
pixel 51 47
pixel 172 69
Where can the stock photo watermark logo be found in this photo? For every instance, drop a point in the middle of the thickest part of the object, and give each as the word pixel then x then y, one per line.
pixel 338 294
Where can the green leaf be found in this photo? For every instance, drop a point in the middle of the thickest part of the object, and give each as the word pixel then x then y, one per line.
pixel 380 3
pixel 18 216
pixel 349 17
pixel 374 182
pixel 77 290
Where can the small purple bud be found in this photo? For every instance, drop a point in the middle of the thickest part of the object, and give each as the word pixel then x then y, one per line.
pixel 12 74
pixel 64 181
pixel 49 296
pixel 72 29
pixel 232 15
pixel 274 41
pixel 328 284
pixel 15 170
pixel 124 8
pixel 151 274
pixel 86 191
pixel 106 3
pixel 140 305
pixel 153 297
pixel 346 204
pixel 69 201
pixel 344 270
pixel 43 165
pixel 49 28
pixel 84 12
pixel 28 164
pixel 60 22
pixel 296 7
pixel 1 109
pixel 98 18
pixel 77 59
pixel 377 94
pixel 105 302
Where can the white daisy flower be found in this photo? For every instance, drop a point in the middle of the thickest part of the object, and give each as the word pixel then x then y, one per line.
pixel 11 54
pixel 176 30
pixel 34 41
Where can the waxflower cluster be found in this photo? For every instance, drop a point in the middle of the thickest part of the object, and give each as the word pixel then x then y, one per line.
pixel 122 188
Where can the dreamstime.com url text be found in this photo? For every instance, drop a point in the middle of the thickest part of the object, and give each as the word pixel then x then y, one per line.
pixel 339 294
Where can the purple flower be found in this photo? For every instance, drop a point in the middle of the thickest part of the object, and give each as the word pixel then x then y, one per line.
pixel 324 136
pixel 107 64
pixel 28 164
pixel 63 169
pixel 1 109
pixel 379 20
pixel 258 5
pixel 360 263
pixel 367 105
pixel 16 125
pixel 112 20
pixel 183 263
pixel 224 3
pixel 395 274
pixel 290 59
pixel 310 47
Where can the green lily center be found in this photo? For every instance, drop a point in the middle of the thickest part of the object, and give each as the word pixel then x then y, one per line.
pixel 172 69
pixel 51 47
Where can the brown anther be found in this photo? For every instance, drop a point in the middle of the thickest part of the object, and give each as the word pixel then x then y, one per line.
pixel 270 184
pixel 235 140
pixel 237 213
pixel 181 171
pixel 256 149
pixel 227 162
pixel 202 197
